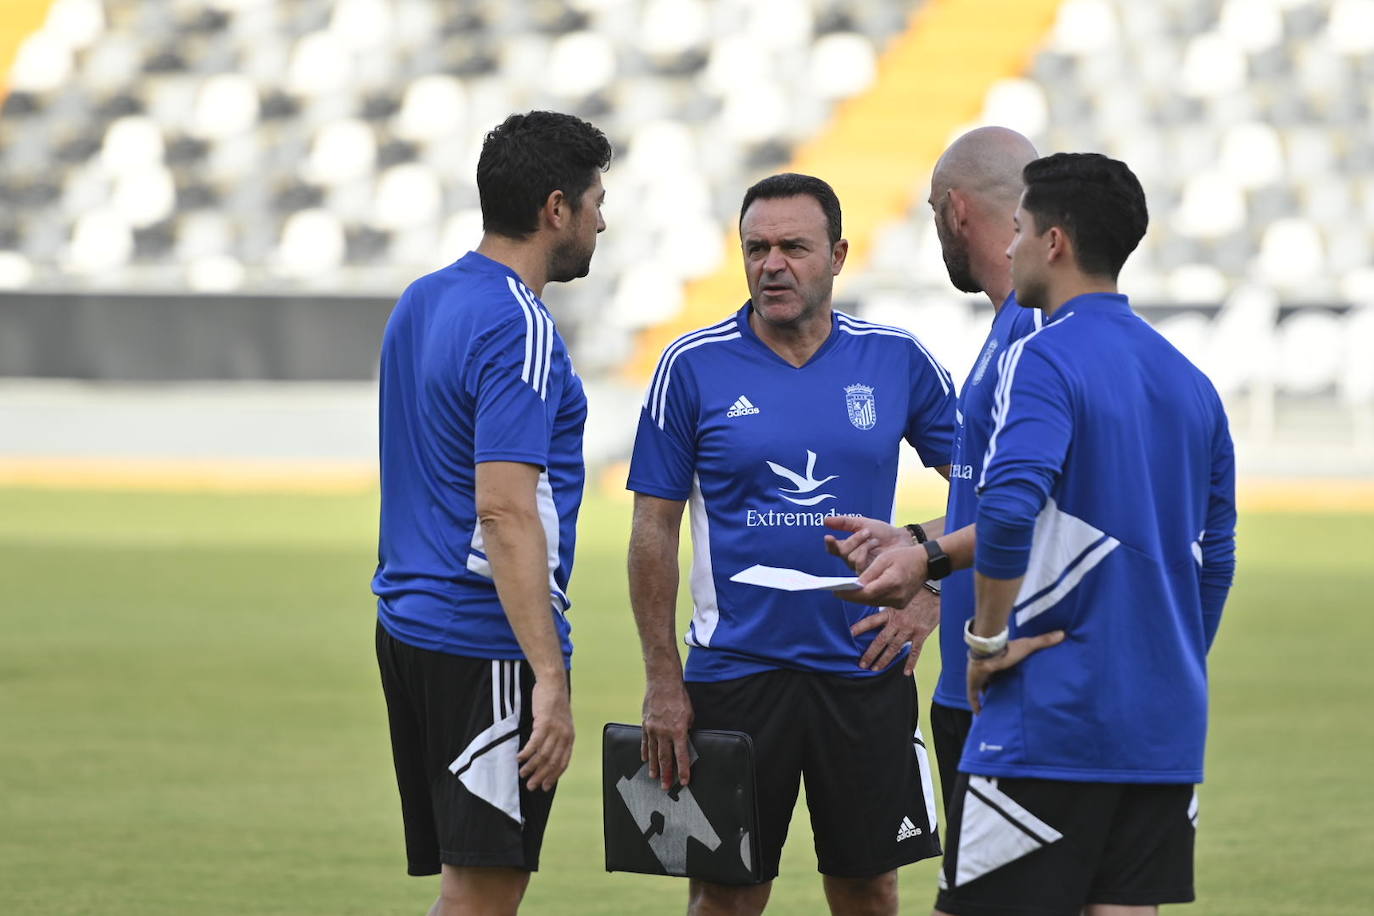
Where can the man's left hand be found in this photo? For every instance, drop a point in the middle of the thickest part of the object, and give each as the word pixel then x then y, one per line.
pixel 911 623
pixel 981 670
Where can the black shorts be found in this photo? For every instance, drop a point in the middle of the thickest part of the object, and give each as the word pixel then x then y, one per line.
pixel 1040 847
pixel 856 741
pixel 456 726
pixel 949 727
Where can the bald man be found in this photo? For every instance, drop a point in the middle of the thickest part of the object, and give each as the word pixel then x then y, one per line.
pixel 974 191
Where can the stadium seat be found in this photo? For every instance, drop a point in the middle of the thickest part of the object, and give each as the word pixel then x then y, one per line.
pixel 1310 351
pixel 101 241
pixel 580 64
pixel 842 64
pixel 1292 255
pixel 144 196
pixel 1350 29
pixel 407 195
pixel 1241 349
pixel 226 105
pixel 433 106
pixel 43 64
pixel 320 63
pixel 312 244
pixel 16 271
pixel 342 151
pixel 1252 154
pixel 671 28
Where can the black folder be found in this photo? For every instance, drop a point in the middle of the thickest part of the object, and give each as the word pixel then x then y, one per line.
pixel 708 829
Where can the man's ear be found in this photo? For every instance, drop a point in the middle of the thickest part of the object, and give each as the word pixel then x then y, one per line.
pixel 956 214
pixel 1060 245
pixel 838 252
pixel 556 210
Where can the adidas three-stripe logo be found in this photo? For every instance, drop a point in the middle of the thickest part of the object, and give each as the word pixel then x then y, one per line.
pixel 907 830
pixel 741 408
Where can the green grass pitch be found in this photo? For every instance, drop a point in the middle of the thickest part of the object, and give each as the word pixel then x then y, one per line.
pixel 190 720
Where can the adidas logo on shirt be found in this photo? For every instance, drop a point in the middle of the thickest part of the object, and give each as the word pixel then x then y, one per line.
pixel 741 408
pixel 907 830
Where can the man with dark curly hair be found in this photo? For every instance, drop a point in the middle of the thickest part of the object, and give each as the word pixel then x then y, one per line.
pixel 482 475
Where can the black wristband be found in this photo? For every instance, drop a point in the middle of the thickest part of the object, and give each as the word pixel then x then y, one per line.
pixel 918 533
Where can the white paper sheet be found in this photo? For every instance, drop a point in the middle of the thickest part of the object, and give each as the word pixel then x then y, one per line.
pixel 793 580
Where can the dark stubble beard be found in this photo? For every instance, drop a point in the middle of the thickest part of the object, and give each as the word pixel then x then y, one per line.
pixel 960 274
pixel 569 261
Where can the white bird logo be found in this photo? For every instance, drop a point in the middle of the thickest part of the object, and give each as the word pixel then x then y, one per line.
pixel 802 485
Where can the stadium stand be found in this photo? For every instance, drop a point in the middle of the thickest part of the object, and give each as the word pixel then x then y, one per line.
pixel 281 146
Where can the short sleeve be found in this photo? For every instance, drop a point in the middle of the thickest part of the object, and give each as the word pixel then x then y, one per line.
pixel 664 459
pixel 930 411
pixel 507 377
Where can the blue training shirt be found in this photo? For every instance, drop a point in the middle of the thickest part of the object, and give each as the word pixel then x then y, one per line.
pixel 764 451
pixel 473 370
pixel 973 426
pixel 1110 483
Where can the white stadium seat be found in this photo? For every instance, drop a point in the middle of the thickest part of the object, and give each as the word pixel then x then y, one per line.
pixel 1213 65
pixel 1252 154
pixel 671 27
pixel 363 25
pixel 144 196
pixel 101 241
pixel 78 23
pixel 1212 206
pixel 1310 351
pixel 16 271
pixel 312 243
pixel 843 64
pixel 1253 25
pixel 407 195
pixel 433 106
pixel 580 64
pixel 1350 30
pixel 343 151
pixel 42 64
pixel 133 142
pixel 320 63
pixel 227 104
pixel 1019 104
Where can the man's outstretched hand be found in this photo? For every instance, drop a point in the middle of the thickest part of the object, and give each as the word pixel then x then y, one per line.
pixel 867 538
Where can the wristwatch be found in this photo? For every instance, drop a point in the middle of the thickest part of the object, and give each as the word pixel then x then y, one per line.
pixel 937 561
pixel 918 534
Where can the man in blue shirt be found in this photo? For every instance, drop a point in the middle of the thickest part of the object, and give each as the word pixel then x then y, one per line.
pixel 974 191
pixel 1105 552
pixel 776 418
pixel 482 475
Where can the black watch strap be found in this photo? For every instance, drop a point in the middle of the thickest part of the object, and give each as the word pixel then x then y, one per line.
pixel 938 564
pixel 918 533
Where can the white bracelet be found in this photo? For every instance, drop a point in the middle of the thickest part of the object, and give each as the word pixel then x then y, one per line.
pixel 984 645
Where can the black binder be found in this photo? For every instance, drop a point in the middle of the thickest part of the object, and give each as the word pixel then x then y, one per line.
pixel 708 829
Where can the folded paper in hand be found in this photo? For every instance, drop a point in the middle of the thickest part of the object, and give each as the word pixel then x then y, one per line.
pixel 793 580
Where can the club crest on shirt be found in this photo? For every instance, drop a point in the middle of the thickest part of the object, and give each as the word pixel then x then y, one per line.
pixel 863 412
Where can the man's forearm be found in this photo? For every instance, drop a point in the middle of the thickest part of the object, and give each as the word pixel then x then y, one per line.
pixel 518 553
pixel 994 599
pixel 959 544
pixel 653 596
pixel 934 528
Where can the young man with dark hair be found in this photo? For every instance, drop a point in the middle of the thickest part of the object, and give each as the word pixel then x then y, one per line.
pixel 1105 552
pixel 784 414
pixel 482 475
